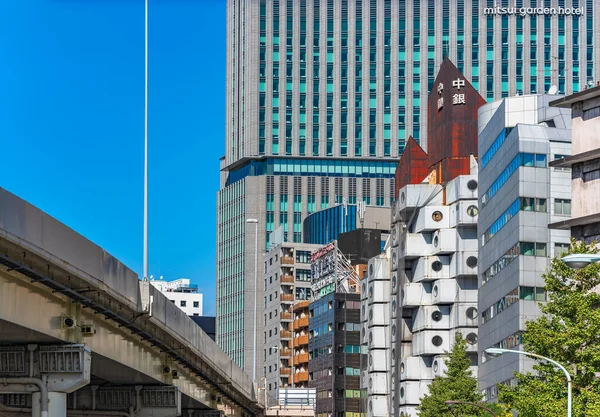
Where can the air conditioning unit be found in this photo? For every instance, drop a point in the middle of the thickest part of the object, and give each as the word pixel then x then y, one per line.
pixel 414 367
pixel 464 315
pixel 468 333
pixel 463 263
pixel 378 315
pixel 463 187
pixel 432 218
pixel 464 213
pixel 394 282
pixel 429 268
pixel 431 342
pixel 379 269
pixel 444 291
pixel 439 365
pixel 378 337
pixel 411 392
pixel 378 292
pixel 396 234
pixel 431 317
pixel 444 241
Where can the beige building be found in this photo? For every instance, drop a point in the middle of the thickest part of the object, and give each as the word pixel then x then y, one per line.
pixel 584 163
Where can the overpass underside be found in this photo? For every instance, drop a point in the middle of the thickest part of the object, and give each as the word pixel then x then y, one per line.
pixel 80 335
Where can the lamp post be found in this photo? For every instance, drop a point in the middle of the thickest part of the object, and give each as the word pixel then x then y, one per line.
pixel 145 255
pixel 453 402
pixel 278 349
pixel 580 260
pixel 499 351
pixel 255 222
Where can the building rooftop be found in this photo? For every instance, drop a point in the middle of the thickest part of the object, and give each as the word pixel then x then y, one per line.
pixel 569 100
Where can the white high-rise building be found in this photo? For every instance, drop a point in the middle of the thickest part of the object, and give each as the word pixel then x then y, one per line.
pixel 183 294
pixel 433 283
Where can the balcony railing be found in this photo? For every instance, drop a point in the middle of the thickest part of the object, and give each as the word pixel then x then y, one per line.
pixel 301 358
pixel 301 377
pixel 287 278
pixel 286 352
pixel 287 297
pixel 285 371
pixel 301 322
pixel 288 260
pixel 285 316
pixel 301 340
pixel 286 334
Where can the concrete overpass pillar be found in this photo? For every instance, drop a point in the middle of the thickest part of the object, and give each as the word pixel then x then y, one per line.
pixel 57 404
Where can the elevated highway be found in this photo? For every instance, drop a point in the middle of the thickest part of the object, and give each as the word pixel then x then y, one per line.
pixel 80 334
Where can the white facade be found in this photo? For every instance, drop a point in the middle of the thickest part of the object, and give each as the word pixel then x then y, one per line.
pixel 433 283
pixel 182 294
pixel 375 336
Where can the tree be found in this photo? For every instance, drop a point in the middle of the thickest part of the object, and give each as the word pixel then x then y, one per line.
pixel 457 384
pixel 569 333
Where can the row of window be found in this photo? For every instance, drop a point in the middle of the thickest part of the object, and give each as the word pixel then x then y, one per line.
pixel 348 304
pixel 320 330
pixel 509 342
pixel 519 293
pixel 183 303
pixel 349 327
pixel 520 248
pixel 315 167
pixel 521 203
pixel 522 159
pixel 489 154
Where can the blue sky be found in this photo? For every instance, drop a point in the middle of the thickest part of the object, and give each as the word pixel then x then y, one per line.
pixel 72 120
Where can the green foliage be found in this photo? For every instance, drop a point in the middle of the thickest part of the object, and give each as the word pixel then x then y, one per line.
pixel 457 384
pixel 568 333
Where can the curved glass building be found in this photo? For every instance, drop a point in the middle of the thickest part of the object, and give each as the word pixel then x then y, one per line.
pixel 324 226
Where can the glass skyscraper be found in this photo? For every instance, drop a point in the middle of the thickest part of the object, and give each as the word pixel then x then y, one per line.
pixel 322 96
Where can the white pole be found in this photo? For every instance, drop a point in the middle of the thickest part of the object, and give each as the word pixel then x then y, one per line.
pixel 146 144
pixel 255 292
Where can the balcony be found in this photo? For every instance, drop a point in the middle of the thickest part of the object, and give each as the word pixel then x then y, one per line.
pixel 285 352
pixel 287 297
pixel 285 315
pixel 301 340
pixel 287 279
pixel 300 323
pixel 285 334
pixel 285 370
pixel 301 377
pixel 301 358
pixel 287 260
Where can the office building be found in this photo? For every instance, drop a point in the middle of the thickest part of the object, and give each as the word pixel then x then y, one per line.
pixel 434 243
pixel 322 96
pixel 584 164
pixel 334 334
pixel 360 245
pixel 519 196
pixel 328 224
pixel 287 281
pixel 183 294
pixel 375 337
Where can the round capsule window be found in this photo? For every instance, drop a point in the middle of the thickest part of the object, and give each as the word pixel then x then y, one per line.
pixel 402 368
pixel 435 291
pixel 472 185
pixel 437 216
pixel 436 366
pixel 436 315
pixel 401 392
pixel 472 211
pixel 472 261
pixel 471 338
pixel 402 198
pixel 394 330
pixel 471 313
pixel 371 270
pixel 436 266
pixel 436 241
pixel 436 341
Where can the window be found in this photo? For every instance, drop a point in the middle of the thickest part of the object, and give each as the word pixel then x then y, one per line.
pixel 196 304
pixel 182 303
pixel 560 248
pixel 562 207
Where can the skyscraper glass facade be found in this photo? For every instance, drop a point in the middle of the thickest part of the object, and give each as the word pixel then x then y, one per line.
pixel 312 80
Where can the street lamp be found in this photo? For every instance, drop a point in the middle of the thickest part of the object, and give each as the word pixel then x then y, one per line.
pixel 498 351
pixel 580 260
pixel 452 402
pixel 255 222
pixel 278 349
